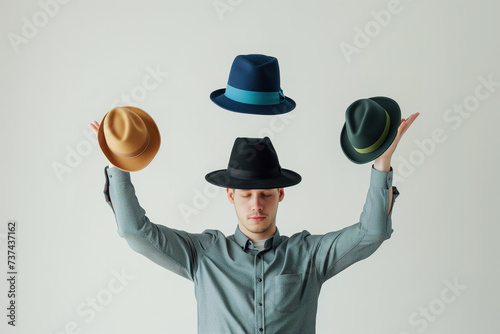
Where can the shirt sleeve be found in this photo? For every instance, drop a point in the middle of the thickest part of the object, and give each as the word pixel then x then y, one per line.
pixel 175 250
pixel 337 250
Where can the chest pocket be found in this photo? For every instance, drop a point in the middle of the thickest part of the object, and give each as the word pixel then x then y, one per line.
pixel 287 292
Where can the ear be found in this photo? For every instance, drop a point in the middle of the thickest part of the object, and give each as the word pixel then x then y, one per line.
pixel 282 194
pixel 230 195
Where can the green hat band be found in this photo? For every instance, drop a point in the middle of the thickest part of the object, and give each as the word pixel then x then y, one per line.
pixel 380 140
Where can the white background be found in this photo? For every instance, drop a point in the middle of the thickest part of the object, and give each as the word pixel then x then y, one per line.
pixel 73 66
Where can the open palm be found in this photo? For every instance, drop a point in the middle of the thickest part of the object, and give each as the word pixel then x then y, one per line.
pixel 403 126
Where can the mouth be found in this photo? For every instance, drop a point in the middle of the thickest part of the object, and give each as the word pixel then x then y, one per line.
pixel 257 218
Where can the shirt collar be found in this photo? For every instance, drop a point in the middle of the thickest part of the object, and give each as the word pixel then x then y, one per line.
pixel 243 240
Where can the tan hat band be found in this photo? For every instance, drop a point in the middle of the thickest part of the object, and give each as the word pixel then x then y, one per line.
pixel 136 152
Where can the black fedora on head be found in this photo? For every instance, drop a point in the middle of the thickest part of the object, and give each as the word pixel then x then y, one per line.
pixel 253 165
pixel 254 87
pixel 370 128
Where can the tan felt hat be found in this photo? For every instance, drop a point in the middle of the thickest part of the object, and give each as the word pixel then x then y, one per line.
pixel 129 138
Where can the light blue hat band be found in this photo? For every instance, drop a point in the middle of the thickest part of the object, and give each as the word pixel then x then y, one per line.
pixel 253 97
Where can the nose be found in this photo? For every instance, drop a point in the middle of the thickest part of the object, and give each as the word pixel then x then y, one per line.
pixel 256 203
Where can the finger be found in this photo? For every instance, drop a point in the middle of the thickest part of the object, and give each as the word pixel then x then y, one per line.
pixel 408 122
pixel 405 127
pixel 401 126
pixel 94 128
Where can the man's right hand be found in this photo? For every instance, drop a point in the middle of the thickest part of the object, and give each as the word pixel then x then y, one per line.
pixel 95 126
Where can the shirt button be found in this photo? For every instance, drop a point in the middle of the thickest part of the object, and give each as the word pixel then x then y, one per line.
pixel 261 329
pixel 259 279
pixel 260 304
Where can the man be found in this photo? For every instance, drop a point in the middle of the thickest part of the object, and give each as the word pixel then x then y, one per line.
pixel 256 280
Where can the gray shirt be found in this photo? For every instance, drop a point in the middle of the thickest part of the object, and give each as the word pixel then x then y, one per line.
pixel 240 289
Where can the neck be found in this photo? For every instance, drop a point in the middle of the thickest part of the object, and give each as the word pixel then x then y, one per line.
pixel 258 236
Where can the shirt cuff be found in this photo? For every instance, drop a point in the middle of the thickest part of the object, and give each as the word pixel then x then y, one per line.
pixel 116 175
pixel 113 175
pixel 381 179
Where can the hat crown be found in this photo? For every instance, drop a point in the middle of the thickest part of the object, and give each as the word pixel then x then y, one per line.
pixel 125 132
pixel 254 87
pixel 253 165
pixel 255 72
pixel 256 156
pixel 366 121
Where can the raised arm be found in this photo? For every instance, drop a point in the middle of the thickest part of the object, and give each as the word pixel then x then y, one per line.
pixel 175 250
pixel 335 251
pixel 383 163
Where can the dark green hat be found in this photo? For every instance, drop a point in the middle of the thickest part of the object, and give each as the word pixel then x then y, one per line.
pixel 370 128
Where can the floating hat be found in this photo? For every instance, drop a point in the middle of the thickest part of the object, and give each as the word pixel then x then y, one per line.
pixel 370 128
pixel 254 87
pixel 129 138
pixel 253 165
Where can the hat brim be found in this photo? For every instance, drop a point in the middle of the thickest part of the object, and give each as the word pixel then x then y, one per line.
pixel 223 101
pixel 394 112
pixel 221 178
pixel 139 162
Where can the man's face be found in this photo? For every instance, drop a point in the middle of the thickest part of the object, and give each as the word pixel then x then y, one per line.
pixel 256 210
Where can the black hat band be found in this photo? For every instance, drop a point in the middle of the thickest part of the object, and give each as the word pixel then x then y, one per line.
pixel 251 174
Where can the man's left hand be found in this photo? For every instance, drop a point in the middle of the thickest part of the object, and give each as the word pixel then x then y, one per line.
pixel 383 162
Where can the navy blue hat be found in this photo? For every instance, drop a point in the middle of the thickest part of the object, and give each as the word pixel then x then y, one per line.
pixel 254 87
